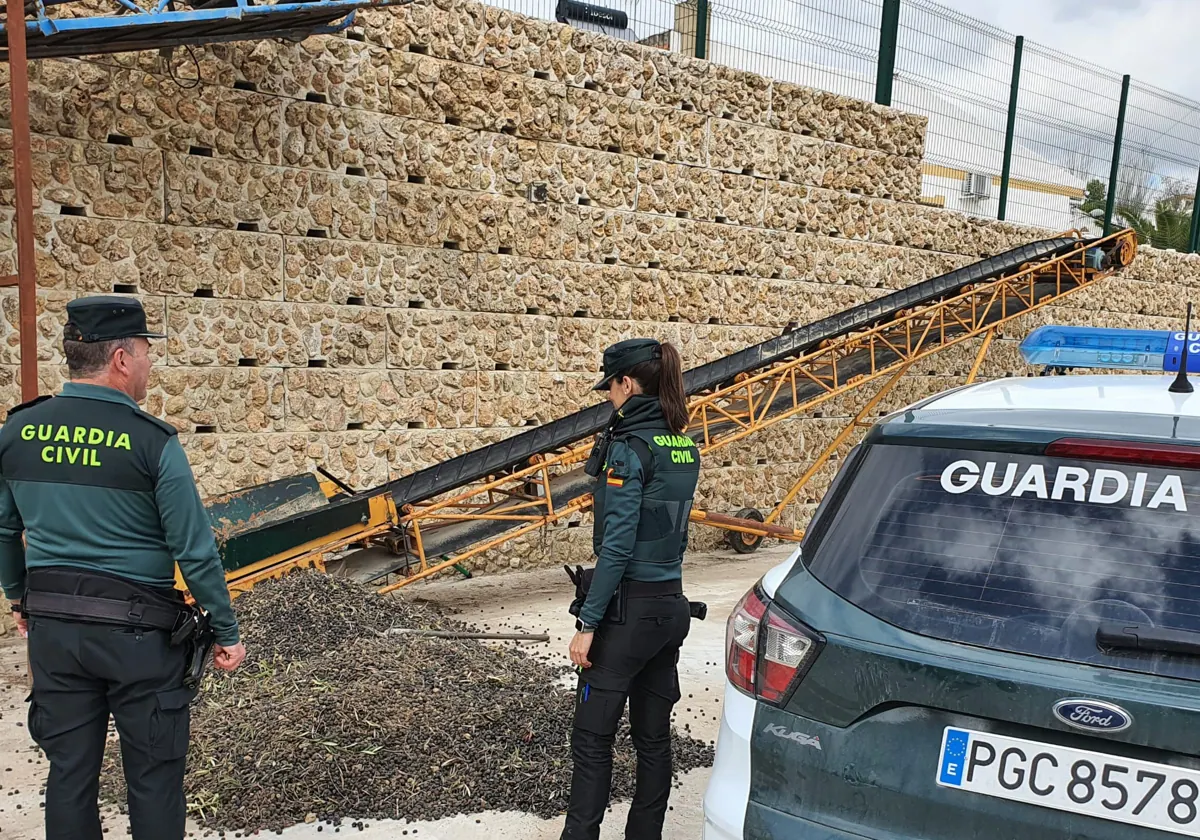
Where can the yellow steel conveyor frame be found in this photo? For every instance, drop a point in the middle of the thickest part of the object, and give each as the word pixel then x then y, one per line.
pixel 723 417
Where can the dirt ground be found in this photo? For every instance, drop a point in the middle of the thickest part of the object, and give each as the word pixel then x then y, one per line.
pixel 530 601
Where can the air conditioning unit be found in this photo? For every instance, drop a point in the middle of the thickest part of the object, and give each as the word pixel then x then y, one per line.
pixel 977 185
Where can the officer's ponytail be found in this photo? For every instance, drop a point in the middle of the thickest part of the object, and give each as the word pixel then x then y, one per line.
pixel 670 389
pixel 664 379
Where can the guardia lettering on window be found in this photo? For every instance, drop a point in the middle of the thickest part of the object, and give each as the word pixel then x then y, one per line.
pixel 74 444
pixel 1099 486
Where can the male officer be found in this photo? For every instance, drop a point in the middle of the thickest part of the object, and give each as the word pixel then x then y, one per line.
pixel 107 504
pixel 633 617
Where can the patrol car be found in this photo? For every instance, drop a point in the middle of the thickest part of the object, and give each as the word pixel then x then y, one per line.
pixel 991 629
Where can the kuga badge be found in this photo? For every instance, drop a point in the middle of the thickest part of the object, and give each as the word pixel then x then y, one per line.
pixel 1092 715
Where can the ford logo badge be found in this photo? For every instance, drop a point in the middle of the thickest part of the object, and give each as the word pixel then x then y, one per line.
pixel 1092 715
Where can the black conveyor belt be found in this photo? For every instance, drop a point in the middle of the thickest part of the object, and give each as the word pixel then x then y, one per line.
pixel 515 452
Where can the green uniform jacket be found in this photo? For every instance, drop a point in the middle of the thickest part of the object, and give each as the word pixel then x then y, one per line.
pixel 94 482
pixel 641 529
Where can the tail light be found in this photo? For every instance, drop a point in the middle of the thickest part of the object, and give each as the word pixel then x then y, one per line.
pixel 767 651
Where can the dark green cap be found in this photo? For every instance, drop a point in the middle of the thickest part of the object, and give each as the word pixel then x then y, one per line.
pixel 106 318
pixel 627 354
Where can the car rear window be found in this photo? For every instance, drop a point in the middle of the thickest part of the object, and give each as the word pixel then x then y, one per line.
pixel 1017 552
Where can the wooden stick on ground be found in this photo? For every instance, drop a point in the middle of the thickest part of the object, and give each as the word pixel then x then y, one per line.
pixel 468 634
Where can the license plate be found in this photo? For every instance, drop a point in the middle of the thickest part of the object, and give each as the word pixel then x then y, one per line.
pixel 1080 781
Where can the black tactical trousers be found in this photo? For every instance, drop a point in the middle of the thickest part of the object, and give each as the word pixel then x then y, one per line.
pixel 81 674
pixel 637 661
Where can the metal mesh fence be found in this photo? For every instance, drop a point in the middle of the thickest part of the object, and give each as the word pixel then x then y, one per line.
pixel 958 72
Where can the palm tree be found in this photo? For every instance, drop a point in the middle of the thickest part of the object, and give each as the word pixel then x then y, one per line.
pixel 1171 227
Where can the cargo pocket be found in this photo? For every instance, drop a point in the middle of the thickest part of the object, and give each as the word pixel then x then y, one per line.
pixel 170 725
pixel 598 710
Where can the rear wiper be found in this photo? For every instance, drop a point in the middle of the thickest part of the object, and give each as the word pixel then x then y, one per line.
pixel 1136 637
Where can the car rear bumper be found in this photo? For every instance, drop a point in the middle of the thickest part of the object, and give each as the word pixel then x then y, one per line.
pixel 763 823
pixel 729 786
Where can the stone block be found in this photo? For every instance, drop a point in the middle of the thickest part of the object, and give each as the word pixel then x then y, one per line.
pixel 515 43
pixel 694 192
pixel 1136 297
pixel 335 271
pixel 417 449
pixel 455 31
pixel 866 172
pixel 612 123
pixel 515 398
pixel 431 217
pixel 476 97
pixel 683 136
pixel 342 336
pixel 797 440
pixel 541 230
pixel 685 296
pixel 226 462
pixel 1152 265
pixel 97 255
pixel 338 71
pixel 207 192
pixel 217 332
pixel 808 111
pixel 846 262
pixel 117 182
pixel 330 400
pixel 707 88
pixel 743 147
pixel 396 148
pixel 785 206
pixel 224 399
pixel 571 175
pixel 431 340
pixel 90 101
pixel 728 489
pixel 581 341
pixel 438 278
pixel 51 313
pixel 829 213
pixel 702 343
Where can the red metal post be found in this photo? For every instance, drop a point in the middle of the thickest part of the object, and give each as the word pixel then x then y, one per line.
pixel 23 181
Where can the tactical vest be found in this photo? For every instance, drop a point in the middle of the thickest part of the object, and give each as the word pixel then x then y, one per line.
pixel 83 442
pixel 671 463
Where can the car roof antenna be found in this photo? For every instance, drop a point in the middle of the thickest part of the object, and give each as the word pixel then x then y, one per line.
pixel 1181 385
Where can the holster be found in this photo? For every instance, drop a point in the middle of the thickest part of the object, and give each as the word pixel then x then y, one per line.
pixel 582 578
pixel 201 643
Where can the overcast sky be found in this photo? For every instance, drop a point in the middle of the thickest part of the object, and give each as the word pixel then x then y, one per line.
pixel 1155 41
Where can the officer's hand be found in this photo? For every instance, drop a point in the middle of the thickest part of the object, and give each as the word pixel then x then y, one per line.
pixel 228 658
pixel 580 645
pixel 22 624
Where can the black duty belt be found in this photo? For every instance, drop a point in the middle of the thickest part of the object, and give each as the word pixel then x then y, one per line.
pixel 84 595
pixel 105 610
pixel 652 589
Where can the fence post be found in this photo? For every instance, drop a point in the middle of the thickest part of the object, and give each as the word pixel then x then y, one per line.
pixel 701 28
pixel 1193 245
pixel 1010 129
pixel 889 29
pixel 1116 157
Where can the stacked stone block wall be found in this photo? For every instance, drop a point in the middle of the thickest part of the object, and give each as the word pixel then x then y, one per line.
pixel 374 251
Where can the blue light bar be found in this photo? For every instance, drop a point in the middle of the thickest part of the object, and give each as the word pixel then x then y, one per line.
pixel 1100 347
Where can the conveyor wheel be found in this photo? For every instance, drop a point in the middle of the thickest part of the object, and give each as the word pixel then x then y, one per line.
pixel 745 543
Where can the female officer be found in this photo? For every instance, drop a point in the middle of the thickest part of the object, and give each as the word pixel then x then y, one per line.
pixel 634 617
